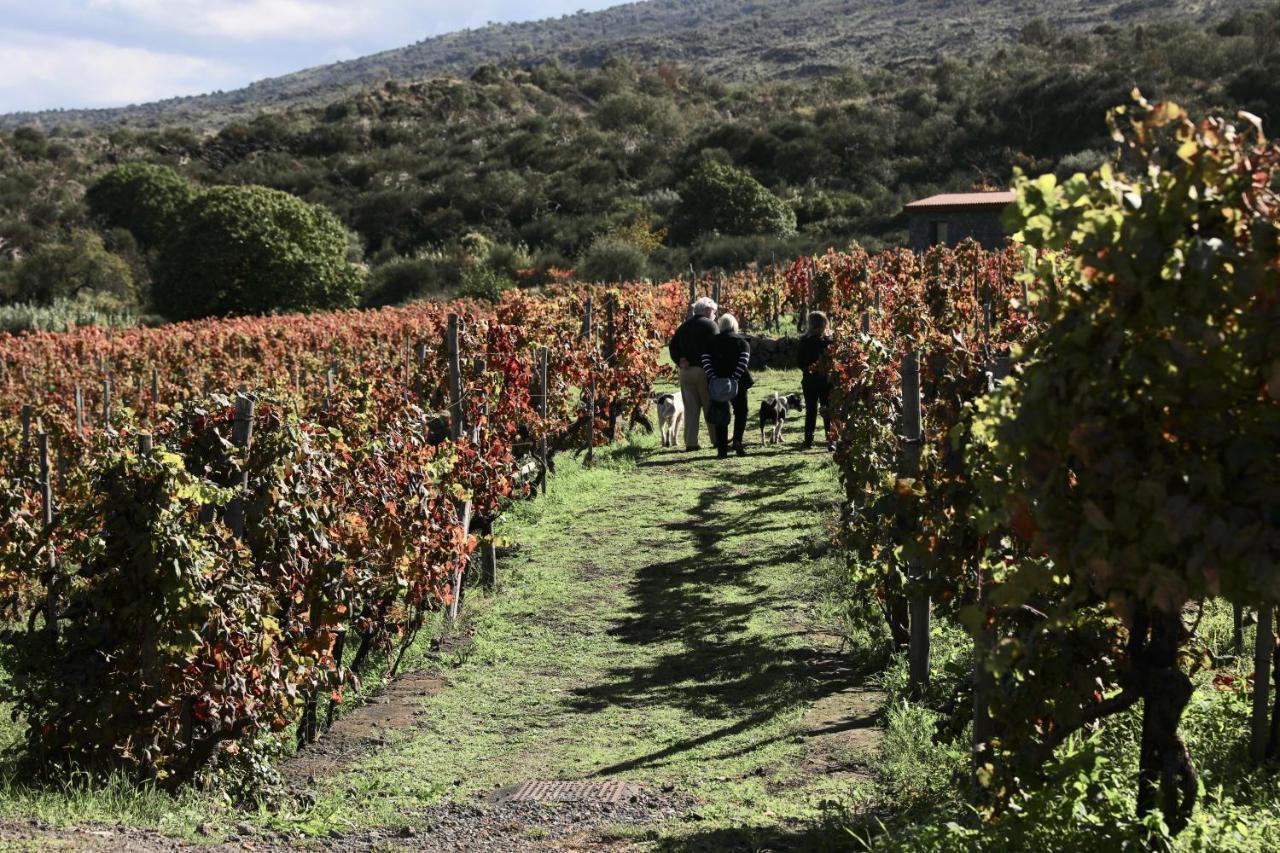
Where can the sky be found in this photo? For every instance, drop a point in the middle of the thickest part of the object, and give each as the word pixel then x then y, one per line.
pixel 107 53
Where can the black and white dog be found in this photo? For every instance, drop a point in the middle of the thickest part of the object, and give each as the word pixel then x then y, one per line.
pixel 774 410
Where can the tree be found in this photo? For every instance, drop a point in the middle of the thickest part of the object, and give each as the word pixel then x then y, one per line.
pixel 143 198
pixel 723 198
pixel 612 259
pixel 1037 33
pixel 253 250
pixel 81 265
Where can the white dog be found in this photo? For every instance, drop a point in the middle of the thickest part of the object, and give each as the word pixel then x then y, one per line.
pixel 670 417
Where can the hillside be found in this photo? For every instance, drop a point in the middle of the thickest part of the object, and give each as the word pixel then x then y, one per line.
pixel 515 175
pixel 733 40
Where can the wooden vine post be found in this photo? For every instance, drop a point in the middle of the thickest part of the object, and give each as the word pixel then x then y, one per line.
pixel 543 392
pixel 912 437
pixel 456 430
pixel 1263 649
pixel 489 558
pixel 488 545
pixel 591 387
pixel 611 355
pixel 455 379
pixel 421 383
pixel 717 289
pixel 46 516
pixel 241 437
pixel 78 402
pixel 693 290
pixel 983 682
pixel 26 432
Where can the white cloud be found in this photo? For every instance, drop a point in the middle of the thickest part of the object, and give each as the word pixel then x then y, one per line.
pixel 44 70
pixel 245 19
pixel 76 53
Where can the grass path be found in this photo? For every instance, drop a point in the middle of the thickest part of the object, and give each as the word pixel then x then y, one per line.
pixel 660 622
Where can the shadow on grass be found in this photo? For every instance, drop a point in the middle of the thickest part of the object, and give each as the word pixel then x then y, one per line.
pixel 715 660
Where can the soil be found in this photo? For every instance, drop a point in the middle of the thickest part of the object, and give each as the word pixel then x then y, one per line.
pixel 499 826
pixel 843 733
pixel 517 826
pixel 395 709
pixel 35 835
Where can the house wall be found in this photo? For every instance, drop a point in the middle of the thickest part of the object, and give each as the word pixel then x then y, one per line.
pixel 982 225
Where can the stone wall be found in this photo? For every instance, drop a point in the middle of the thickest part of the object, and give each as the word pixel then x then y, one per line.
pixel 773 353
pixel 982 225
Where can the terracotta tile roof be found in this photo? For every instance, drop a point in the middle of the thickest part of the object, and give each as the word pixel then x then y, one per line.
pixel 963 201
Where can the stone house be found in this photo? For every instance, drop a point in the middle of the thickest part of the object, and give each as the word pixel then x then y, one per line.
pixel 950 218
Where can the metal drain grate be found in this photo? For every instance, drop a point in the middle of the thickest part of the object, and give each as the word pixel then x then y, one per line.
pixel 543 791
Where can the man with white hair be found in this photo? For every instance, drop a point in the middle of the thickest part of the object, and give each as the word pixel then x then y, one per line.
pixel 688 345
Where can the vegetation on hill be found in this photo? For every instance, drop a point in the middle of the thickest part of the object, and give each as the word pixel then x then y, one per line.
pixel 513 174
pixel 735 41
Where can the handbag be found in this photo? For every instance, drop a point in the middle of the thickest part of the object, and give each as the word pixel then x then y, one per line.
pixel 723 390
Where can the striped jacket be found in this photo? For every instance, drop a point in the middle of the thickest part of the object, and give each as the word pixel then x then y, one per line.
pixel 728 357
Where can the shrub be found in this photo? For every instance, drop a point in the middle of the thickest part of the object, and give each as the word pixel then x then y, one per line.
pixel 612 259
pixel 145 199
pixel 737 252
pixel 722 198
pixel 253 250
pixel 402 279
pixel 482 282
pixel 80 265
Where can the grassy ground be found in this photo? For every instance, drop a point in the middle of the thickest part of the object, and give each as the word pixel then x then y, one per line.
pixel 655 625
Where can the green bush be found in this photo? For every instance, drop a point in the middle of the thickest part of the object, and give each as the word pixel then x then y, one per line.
pixel 81 265
pixel 402 279
pixel 482 282
pixel 737 252
pixel 724 199
pixel 145 199
pixel 253 250
pixel 613 260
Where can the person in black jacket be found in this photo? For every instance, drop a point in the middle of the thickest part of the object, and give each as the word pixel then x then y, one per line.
pixel 815 383
pixel 729 356
pixel 687 347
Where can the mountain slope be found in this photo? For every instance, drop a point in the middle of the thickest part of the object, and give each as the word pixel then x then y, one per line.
pixel 734 40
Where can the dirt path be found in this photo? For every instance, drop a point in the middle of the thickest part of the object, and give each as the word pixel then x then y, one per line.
pixel 661 624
